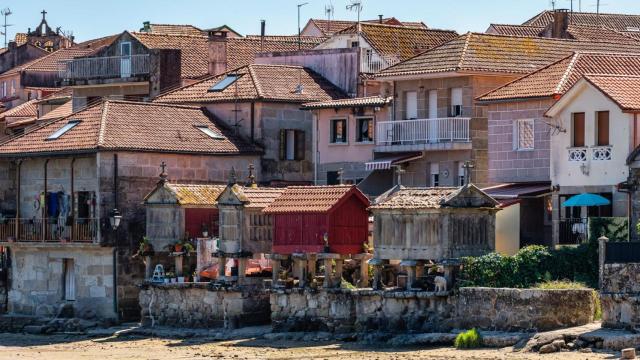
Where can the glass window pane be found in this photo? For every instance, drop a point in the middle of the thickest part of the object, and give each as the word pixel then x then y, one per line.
pixel 224 83
pixel 68 126
pixel 212 134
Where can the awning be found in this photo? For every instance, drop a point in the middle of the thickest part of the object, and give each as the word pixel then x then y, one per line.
pixel 387 162
pixel 518 190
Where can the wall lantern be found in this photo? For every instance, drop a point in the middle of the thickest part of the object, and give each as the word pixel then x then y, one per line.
pixel 115 219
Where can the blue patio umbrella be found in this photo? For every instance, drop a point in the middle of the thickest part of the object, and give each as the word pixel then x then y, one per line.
pixel 586 199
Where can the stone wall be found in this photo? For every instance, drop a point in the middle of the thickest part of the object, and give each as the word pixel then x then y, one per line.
pixel 38 280
pixel 196 306
pixel 620 295
pixel 364 310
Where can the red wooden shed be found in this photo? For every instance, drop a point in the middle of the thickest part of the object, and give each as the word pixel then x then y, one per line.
pixel 302 216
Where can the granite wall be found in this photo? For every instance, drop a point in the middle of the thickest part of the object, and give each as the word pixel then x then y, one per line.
pixel 197 306
pixel 620 295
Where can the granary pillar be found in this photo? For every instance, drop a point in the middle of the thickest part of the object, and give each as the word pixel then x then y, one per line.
pixel 299 268
pixel 311 265
pixel 363 280
pixel 410 266
pixel 275 270
pixel 338 274
pixel 222 266
pixel 328 273
pixel 177 260
pixel 419 270
pixel 242 269
pixel 377 273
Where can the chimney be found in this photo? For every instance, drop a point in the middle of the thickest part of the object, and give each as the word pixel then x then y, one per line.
pixel 12 45
pixel 146 26
pixel 217 52
pixel 560 24
pixel 263 24
pixel 380 19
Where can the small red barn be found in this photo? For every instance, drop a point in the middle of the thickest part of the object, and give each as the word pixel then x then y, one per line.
pixel 304 214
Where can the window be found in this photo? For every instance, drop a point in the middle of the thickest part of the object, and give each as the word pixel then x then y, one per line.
pixel 524 134
pixel 433 104
pixel 365 130
pixel 333 178
pixel 456 102
pixel 435 174
pixel 602 128
pixel 355 44
pixel 209 132
pixel 13 87
pixel 292 144
pixel 578 129
pixel 68 126
pixel 224 83
pixel 339 131
pixel 411 105
pixel 461 173
pixel 69 279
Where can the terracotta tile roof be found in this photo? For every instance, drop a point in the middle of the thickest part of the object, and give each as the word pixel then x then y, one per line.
pixel 612 21
pixel 259 82
pixel 133 126
pixel 261 197
pixel 352 102
pixel 62 94
pixel 475 52
pixel 329 28
pixel 27 109
pixel 401 42
pixel 61 111
pixel 417 198
pixel 624 90
pixel 287 38
pixel 558 77
pixel 515 30
pixel 196 194
pixel 22 122
pixel 170 29
pixel 242 51
pixel 309 199
pixel 194 56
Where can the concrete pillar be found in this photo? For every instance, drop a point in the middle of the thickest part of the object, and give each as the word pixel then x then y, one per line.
pixel 328 272
pixel 311 265
pixel 178 264
pixel 300 269
pixel 602 258
pixel 377 273
pixel 275 268
pixel 222 265
pixel 338 274
pixel 148 268
pixel 410 266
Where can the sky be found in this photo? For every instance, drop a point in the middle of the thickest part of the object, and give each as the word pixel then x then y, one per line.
pixel 89 19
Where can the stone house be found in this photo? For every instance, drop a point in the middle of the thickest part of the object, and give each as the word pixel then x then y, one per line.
pixel 328 28
pixel 262 103
pixel 598 129
pixel 60 183
pixel 520 135
pixel 345 126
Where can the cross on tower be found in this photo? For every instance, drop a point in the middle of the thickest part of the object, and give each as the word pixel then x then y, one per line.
pixel 163 173
pixel 44 13
pixel 468 165
pixel 251 177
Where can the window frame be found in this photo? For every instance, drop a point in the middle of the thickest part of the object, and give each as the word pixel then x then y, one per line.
pixel 224 83
pixel 332 131
pixel 63 130
pixel 371 128
pixel 209 132
pixel 573 130
pixel 298 147
pixel 517 138
pixel 597 128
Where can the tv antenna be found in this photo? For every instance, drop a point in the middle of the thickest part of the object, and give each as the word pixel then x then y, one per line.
pixel 299 30
pixel 6 12
pixel 553 4
pixel 357 6
pixel 329 11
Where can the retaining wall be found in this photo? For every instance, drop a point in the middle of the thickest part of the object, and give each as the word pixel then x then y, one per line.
pixel 620 295
pixel 198 306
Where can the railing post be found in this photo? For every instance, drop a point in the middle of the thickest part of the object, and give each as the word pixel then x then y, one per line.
pixel 602 258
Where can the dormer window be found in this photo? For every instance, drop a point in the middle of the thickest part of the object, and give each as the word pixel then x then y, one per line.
pixel 63 130
pixel 224 83
pixel 209 132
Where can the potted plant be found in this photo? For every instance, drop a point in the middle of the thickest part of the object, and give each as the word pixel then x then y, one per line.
pixel 145 248
pixel 182 247
pixel 170 276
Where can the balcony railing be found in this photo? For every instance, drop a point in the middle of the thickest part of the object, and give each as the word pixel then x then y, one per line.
pixel 49 230
pixel 372 62
pixel 598 153
pixel 109 67
pixel 601 153
pixel 573 231
pixel 423 131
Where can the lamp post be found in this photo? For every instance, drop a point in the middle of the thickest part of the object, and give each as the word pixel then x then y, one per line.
pixel 300 31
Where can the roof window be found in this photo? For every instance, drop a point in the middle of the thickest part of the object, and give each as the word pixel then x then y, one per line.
pixel 64 129
pixel 224 83
pixel 210 133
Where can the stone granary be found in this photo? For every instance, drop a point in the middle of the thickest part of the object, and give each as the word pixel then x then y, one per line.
pixel 319 222
pixel 423 225
pixel 246 232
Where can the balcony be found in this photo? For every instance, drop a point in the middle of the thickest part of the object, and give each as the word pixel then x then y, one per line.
pixel 102 68
pixel 598 153
pixel 48 231
pixel 423 135
pixel 371 62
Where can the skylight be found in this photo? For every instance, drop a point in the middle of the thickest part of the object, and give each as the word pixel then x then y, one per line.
pixel 210 133
pixel 224 83
pixel 63 130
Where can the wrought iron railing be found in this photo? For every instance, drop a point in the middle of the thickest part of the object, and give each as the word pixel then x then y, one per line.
pixel 108 67
pixel 49 230
pixel 423 131
pixel 573 231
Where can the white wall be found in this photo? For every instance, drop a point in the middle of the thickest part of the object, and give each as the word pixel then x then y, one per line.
pixel 508 230
pixel 600 172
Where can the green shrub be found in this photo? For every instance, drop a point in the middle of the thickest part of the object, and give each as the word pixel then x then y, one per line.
pixel 469 339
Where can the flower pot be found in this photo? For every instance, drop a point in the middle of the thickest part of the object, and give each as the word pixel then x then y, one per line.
pixel 205 234
pixel 174 280
pixel 181 279
pixel 177 248
pixel 166 281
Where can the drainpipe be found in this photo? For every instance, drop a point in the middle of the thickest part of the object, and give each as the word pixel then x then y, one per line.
pixel 394 101
pixel 115 240
pixel 115 283
pixel 18 174
pixel 316 115
pixel 73 202
pixel 253 120
pixel 44 208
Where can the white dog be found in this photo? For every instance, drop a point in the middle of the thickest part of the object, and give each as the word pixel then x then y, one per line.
pixel 441 283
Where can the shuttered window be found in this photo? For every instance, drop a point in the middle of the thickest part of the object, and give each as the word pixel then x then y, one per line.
pixel 603 128
pixel 578 129
pixel 292 144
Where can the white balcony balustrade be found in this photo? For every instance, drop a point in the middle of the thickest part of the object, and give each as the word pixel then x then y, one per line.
pixel 109 67
pixel 599 153
pixel 423 131
pixel 578 154
pixel 372 62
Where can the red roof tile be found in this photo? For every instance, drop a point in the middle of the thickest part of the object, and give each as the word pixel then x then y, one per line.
pixel 171 29
pixel 310 199
pixel 417 198
pixel 259 82
pixel 351 102
pixel 624 90
pixel 27 109
pixel 194 50
pixel 330 27
pixel 242 51
pixel 611 21
pixel 515 30
pixel 558 77
pixel 135 126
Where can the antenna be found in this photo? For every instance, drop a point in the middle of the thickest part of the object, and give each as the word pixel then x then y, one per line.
pixel 357 6
pixel 553 4
pixel 299 30
pixel 6 12
pixel 329 11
